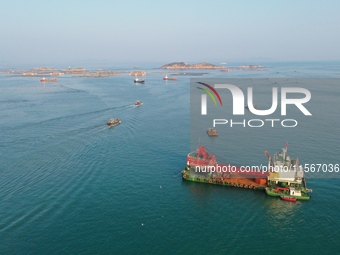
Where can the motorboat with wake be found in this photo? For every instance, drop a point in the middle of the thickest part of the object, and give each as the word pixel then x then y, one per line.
pixel 138 103
pixel 113 122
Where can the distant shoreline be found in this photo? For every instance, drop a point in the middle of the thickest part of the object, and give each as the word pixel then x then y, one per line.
pixel 82 72
pixel 79 71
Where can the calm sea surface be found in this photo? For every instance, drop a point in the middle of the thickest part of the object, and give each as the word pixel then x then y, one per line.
pixel 71 185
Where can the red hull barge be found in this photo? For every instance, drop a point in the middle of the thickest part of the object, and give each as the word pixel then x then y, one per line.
pixel 202 167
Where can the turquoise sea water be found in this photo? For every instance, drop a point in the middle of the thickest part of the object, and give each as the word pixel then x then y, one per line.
pixel 71 185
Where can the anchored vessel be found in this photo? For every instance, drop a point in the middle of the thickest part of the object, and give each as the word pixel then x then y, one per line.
pixel 283 179
pixel 113 122
pixel 202 167
pixel 286 177
pixel 43 79
pixel 138 81
pixel 166 78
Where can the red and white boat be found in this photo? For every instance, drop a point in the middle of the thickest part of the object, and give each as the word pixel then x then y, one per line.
pixel 288 198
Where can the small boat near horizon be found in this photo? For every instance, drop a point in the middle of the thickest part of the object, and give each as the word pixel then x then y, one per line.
pixel 43 79
pixel 166 78
pixel 139 81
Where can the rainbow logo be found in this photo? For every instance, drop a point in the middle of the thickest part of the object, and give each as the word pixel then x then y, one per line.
pixel 209 93
pixel 204 97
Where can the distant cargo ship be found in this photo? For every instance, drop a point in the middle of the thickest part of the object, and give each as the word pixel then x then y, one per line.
pixel 43 79
pixel 166 78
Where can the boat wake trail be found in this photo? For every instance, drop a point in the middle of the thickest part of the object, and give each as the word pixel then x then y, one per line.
pixel 72 153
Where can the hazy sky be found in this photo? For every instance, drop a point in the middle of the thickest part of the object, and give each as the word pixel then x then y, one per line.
pixel 47 31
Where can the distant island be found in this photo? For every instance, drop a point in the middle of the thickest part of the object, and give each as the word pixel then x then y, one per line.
pixel 182 65
pixel 79 71
pixel 138 73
